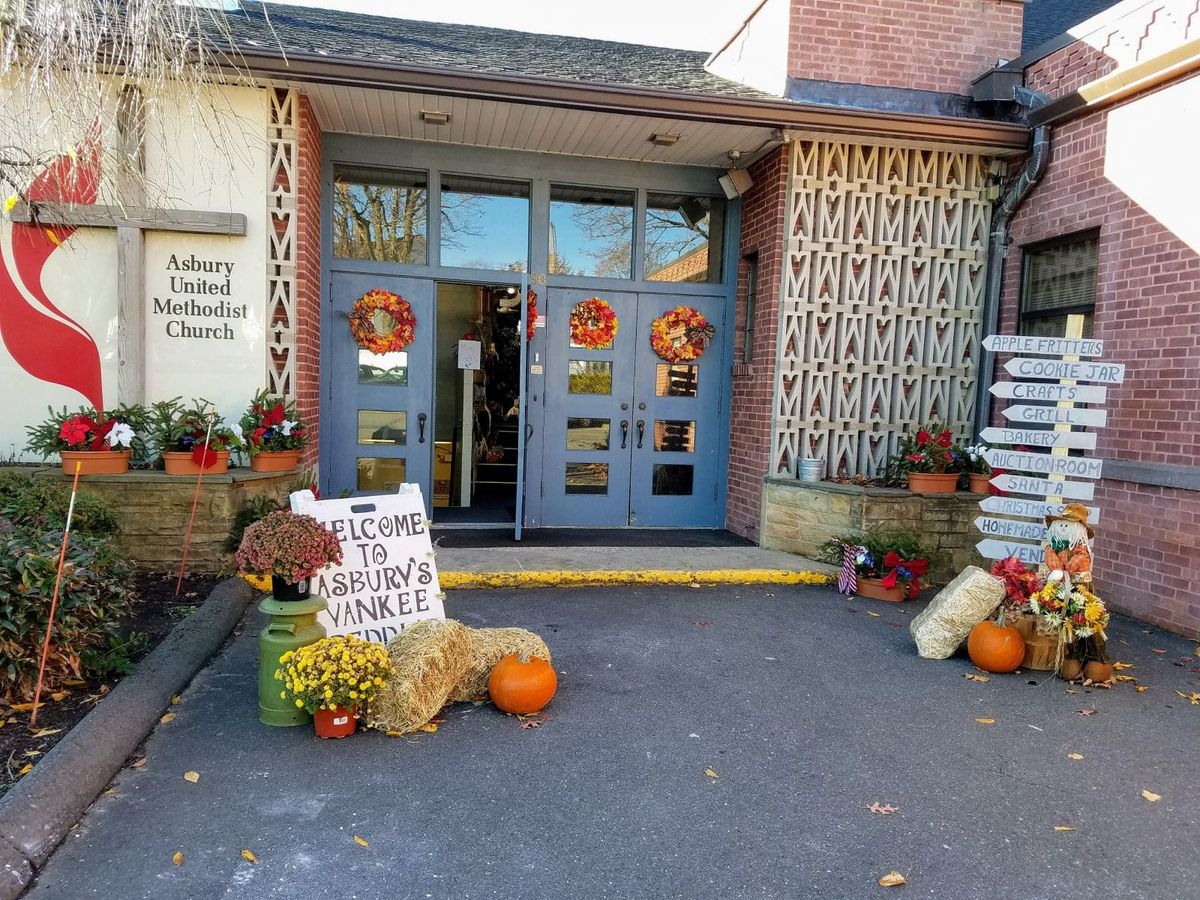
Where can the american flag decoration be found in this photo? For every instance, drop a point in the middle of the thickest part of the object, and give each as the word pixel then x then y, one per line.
pixel 848 578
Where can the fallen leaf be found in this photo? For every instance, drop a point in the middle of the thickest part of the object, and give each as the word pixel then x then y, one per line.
pixel 21 707
pixel 46 732
pixel 1157 650
pixel 1151 796
pixel 176 699
pixel 360 841
pixel 531 724
pixel 1124 678
pixel 3 723
pixel 394 733
pixel 59 696
pixel 972 676
pixel 1072 691
pixel 191 776
pixel 111 792
pixel 986 721
pixel 168 717
pixel 1197 651
pixel 138 763
pixel 249 857
pixel 886 810
pixel 1120 665
pixel 28 767
pixel 892 879
pixel 177 857
pixel 33 752
pixel 1075 756
pixel 1063 828
pixel 1090 711
pixel 74 683
pixel 875 614
pixel 428 727
pixel 1141 689
pixel 711 774
pixel 1193 697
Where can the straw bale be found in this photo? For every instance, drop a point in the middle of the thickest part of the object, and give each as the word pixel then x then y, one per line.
pixel 429 658
pixel 486 647
pixel 959 606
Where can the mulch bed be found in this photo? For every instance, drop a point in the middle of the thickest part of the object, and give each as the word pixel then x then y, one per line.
pixel 155 613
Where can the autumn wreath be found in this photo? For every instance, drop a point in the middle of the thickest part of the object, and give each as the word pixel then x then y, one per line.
pixel 530 314
pixel 366 314
pixel 593 324
pixel 681 334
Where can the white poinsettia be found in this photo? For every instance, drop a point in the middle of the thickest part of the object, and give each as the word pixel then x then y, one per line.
pixel 238 433
pixel 121 435
pixel 286 427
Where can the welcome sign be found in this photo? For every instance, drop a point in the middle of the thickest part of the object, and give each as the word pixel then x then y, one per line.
pixel 387 579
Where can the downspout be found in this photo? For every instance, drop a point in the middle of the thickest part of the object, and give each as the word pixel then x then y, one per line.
pixel 1002 214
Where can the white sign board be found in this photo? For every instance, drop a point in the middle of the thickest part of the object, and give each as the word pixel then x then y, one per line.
pixel 1044 487
pixel 1030 509
pixel 387 579
pixel 1045 390
pixel 1012 528
pixel 1061 370
pixel 1030 437
pixel 469 353
pixel 1074 466
pixel 994 548
pixel 1045 346
pixel 1056 415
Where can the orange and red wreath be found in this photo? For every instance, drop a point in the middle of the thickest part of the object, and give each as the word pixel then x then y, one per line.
pixel 364 315
pixel 530 314
pixel 594 324
pixel 681 334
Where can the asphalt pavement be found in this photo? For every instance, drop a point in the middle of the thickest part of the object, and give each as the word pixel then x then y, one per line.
pixel 705 743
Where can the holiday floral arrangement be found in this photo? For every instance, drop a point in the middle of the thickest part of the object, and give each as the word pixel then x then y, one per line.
pixel 271 425
pixel 895 558
pixel 334 673
pixel 1072 610
pixel 288 546
pixel 86 430
pixel 594 324
pixel 928 451
pixel 382 322
pixel 194 429
pixel 681 334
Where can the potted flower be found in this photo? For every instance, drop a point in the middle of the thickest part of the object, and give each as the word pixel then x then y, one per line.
pixel 332 679
pixel 273 435
pixel 979 471
pixel 191 438
pixel 880 565
pixel 101 442
pixel 928 460
pixel 1077 619
pixel 289 547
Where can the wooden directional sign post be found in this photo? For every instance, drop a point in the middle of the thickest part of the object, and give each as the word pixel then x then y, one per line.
pixel 1042 381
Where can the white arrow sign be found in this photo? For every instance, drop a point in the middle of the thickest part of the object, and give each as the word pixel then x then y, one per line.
pixel 1054 415
pixel 1044 487
pixel 1046 346
pixel 1030 509
pixel 1023 531
pixel 1044 390
pixel 1077 466
pixel 1080 440
pixel 993 548
pixel 1061 370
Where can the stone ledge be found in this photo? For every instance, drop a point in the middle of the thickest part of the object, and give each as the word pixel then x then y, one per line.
pixel 153 476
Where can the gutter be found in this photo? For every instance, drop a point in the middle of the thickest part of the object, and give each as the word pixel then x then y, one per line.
pixel 1002 213
pixel 768 113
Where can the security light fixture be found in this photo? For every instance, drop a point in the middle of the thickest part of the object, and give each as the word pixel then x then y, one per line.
pixel 434 117
pixel 735 182
pixel 664 138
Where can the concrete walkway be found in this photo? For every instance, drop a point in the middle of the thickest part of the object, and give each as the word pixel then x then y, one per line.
pixel 807 708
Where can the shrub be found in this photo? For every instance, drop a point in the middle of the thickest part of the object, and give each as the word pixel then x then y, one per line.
pixel 94 595
pixel 40 504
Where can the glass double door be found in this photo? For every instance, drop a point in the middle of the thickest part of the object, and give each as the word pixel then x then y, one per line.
pixel 630 439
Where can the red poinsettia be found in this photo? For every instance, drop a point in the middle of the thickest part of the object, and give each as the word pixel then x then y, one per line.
pixel 944 439
pixel 923 437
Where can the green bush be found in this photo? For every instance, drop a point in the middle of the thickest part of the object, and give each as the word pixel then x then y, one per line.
pixel 40 504
pixel 95 594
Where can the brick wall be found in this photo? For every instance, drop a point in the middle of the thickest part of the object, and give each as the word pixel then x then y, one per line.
pixel 932 45
pixel 763 210
pixel 308 274
pixel 1148 314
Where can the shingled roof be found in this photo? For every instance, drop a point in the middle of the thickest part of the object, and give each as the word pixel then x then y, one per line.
pixel 471 48
pixel 1046 19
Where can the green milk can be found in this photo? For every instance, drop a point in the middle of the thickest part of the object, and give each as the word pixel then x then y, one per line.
pixel 293 624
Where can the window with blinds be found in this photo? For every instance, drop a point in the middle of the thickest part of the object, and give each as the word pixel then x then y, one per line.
pixel 1059 280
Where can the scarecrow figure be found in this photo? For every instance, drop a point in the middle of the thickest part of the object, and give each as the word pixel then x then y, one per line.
pixel 1068 546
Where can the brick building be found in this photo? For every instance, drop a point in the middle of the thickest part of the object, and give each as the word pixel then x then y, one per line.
pixel 822 189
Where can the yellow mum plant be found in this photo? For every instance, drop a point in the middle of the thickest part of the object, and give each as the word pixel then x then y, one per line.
pixel 334 673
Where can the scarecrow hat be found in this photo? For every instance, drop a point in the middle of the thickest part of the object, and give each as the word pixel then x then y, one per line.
pixel 1073 512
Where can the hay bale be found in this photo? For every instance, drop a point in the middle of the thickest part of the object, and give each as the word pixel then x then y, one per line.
pixel 959 606
pixel 429 657
pixel 486 647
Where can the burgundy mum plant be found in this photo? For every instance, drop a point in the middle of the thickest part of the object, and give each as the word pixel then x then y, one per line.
pixel 291 546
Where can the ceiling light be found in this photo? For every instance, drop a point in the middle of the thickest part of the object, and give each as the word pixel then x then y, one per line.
pixel 434 117
pixel 664 138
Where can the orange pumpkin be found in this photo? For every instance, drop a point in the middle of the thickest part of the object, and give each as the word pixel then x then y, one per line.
pixel 995 648
pixel 522 684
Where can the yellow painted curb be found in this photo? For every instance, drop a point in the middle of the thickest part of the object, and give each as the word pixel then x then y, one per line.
pixel 259 582
pixel 545 578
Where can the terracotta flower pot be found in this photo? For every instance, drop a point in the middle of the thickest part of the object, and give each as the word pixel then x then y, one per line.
pixel 183 464
pixel 874 589
pixel 275 461
pixel 95 462
pixel 928 483
pixel 980 484
pixel 335 723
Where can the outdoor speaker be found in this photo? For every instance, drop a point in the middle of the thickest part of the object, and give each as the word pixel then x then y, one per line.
pixel 735 182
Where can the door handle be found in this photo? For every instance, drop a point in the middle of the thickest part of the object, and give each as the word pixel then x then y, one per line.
pixel 641 427
pixel 421 417
pixel 528 431
pixel 624 433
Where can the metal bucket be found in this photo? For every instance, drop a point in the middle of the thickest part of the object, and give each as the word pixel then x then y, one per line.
pixel 810 469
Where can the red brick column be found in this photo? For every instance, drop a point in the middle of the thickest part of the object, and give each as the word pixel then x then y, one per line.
pixel 308 273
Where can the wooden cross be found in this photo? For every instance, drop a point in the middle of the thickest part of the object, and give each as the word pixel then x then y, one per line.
pixel 131 221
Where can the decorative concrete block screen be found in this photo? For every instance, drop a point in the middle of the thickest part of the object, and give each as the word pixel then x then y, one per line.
pixel 281 238
pixel 882 300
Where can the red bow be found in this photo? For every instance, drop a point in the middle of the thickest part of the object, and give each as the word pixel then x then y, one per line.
pixel 916 567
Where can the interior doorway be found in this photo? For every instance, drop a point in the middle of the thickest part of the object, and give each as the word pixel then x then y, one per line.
pixel 477 401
